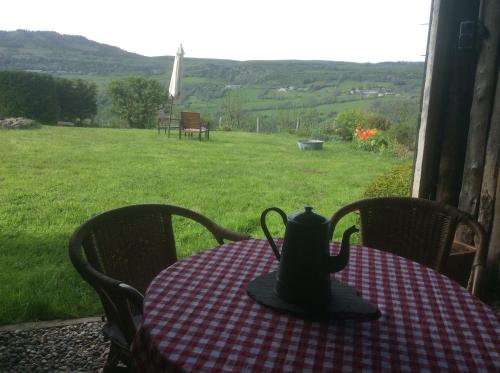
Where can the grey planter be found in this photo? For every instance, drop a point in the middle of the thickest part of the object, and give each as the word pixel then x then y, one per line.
pixel 310 144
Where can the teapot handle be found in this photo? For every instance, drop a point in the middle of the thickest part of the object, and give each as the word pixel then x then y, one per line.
pixel 266 231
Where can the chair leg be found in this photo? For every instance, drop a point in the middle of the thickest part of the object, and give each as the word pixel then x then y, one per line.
pixel 112 360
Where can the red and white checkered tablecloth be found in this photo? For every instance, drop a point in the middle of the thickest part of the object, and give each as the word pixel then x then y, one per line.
pixel 198 317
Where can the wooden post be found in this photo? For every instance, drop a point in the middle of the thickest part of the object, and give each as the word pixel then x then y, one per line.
pixel 297 126
pixel 493 259
pixel 484 89
pixel 441 41
pixel 220 121
pixel 489 204
pixel 257 124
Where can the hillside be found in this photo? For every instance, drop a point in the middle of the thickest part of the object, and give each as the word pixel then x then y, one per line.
pixel 264 86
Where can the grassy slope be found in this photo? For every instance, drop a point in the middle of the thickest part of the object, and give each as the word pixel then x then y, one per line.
pixel 53 179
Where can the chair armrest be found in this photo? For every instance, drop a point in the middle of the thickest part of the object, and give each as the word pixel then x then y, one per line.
pixel 132 294
pixel 219 233
pixel 478 270
pixel 227 234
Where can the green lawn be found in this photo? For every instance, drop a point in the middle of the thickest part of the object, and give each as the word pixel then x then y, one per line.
pixel 53 179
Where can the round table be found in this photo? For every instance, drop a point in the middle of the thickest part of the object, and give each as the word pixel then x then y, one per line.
pixel 198 317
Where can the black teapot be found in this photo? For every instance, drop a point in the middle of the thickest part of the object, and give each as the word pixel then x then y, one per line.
pixel 305 263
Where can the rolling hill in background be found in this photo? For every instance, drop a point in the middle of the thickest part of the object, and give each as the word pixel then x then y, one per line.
pixel 264 87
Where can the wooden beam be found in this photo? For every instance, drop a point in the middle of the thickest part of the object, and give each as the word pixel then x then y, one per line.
pixel 441 43
pixel 456 120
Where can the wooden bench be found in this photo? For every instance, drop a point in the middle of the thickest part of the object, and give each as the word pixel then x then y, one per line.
pixel 165 122
pixel 191 124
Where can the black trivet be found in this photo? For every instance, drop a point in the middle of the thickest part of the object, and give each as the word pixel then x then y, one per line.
pixel 345 304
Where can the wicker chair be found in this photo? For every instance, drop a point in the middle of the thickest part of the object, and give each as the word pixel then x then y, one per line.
pixel 119 252
pixel 417 229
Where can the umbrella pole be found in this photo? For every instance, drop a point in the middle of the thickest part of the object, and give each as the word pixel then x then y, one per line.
pixel 170 115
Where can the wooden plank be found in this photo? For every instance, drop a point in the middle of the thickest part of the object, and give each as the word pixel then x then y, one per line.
pixel 484 89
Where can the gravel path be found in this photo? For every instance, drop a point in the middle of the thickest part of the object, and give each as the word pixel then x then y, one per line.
pixel 73 348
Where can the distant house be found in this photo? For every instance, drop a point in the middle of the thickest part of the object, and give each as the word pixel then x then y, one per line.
pixel 286 89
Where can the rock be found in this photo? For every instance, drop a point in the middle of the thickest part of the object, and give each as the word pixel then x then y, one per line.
pixel 18 123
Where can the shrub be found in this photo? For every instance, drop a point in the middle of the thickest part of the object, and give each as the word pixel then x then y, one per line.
pixel 370 140
pixel 377 121
pixel 45 98
pixel 398 150
pixel 350 118
pixel 226 127
pixel 304 132
pixel 28 95
pixel 404 134
pixel 342 133
pixel 395 182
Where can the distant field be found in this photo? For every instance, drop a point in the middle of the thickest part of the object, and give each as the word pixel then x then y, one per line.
pixel 53 179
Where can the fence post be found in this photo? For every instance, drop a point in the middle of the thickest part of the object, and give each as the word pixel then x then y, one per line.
pixel 257 124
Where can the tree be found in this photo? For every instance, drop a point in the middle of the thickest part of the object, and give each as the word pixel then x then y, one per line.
pixel 137 99
pixel 232 108
pixel 77 99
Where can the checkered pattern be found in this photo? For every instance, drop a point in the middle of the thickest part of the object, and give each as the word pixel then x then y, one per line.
pixel 198 317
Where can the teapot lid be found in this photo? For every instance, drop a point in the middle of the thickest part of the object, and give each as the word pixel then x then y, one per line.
pixel 307 217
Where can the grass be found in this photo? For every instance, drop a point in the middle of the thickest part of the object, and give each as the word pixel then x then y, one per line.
pixel 53 179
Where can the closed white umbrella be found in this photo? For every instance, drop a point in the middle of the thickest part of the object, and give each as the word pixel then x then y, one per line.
pixel 174 88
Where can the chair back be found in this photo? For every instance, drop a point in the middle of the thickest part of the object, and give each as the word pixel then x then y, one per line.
pixel 124 247
pixel 417 229
pixel 131 244
pixel 119 252
pixel 190 120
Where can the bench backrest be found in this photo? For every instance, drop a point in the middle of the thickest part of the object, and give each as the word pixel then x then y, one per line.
pixel 190 120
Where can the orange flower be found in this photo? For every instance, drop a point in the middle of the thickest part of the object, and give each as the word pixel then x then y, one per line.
pixel 367 134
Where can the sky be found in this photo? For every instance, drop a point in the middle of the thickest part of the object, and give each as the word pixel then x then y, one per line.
pixel 334 30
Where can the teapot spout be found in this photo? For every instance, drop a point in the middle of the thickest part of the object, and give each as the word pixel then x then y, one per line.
pixel 338 262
